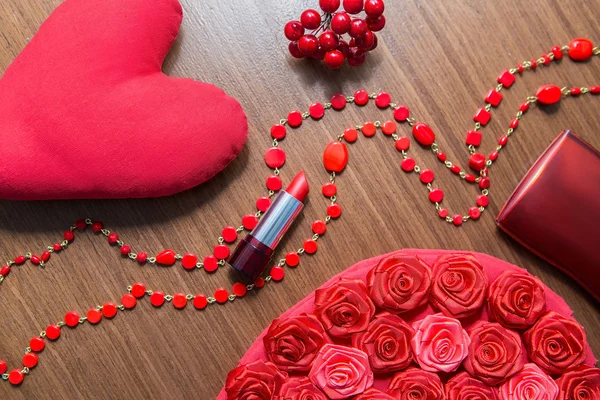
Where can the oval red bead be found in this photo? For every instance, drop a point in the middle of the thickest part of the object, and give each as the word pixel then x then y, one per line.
pixel 142 257
pixel 470 178
pixel 319 227
pixel 278 131
pixel 436 195
pixel 295 119
pixel 157 299
pixel 477 161
pixel 401 113
pixel 249 221
pixel 310 246
pixel 338 101
pixel 167 257
pixel 361 97
pixel 383 99
pixel 457 220
pixel 484 183
pixel 455 169
pixel 275 157
pixel 221 251
pixel 109 310
pixel 263 203
pixel 71 319
pixel 580 49
pixel 423 134
pixel 113 238
pixel 30 360
pixel 292 259
pixel 482 201
pixel 316 110
pixel 45 256
pixel 549 94
pixel 37 344
pixel 69 235
pixel 125 249
pixel 329 189
pixel 5 271
pixel 443 213
pixel 189 261
pixel 3 367
pixel 97 227
pixel 402 144
pixel 179 300
pixel 210 264
pixel 442 157
pixel 53 332
pixel 15 377
pixel 56 247
pixel 221 295
pixel 503 140
pixel 138 290
pixel 239 289
pixel 200 301
pixel 557 53
pixel 94 316
pixel 334 210
pixel 426 176
pixel 335 157
pixel 408 164
pixel 474 213
pixel 35 260
pixel 273 183
pixel 350 135
pixel 20 260
pixel 494 155
pixel 128 301
pixel 277 273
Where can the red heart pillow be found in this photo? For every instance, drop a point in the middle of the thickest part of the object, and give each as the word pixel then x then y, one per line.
pixel 86 111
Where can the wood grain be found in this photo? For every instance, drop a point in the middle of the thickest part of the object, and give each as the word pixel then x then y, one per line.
pixel 439 57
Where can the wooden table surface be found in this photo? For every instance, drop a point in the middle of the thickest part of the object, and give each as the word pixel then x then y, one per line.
pixel 439 57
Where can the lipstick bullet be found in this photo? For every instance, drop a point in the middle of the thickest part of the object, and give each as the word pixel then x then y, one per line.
pixel 253 254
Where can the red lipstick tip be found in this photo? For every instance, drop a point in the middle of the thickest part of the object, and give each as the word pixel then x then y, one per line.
pixel 298 187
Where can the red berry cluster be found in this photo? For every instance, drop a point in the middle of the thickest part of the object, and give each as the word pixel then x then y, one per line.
pixel 325 40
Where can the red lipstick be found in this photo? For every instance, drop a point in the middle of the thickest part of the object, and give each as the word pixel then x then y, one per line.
pixel 253 254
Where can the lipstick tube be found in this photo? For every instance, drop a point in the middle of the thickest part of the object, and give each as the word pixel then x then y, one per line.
pixel 253 254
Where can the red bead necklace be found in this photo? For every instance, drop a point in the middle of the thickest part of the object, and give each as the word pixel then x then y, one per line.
pixel 335 160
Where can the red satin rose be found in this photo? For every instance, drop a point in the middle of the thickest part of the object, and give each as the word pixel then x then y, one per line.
pixel 464 387
pixel 344 308
pixel 293 343
pixel 531 383
pixel 582 383
pixel 515 300
pixel 259 380
pixel 459 285
pixel 373 394
pixel 299 389
pixel 387 343
pixel 556 343
pixel 399 283
pixel 495 353
pixel 341 372
pixel 416 384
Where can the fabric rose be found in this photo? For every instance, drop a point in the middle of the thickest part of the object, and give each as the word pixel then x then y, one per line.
pixel 373 394
pixel 531 383
pixel 440 343
pixel 293 343
pixel 516 300
pixel 582 383
pixel 399 283
pixel 464 387
pixel 556 343
pixel 459 285
pixel 299 389
pixel 344 308
pixel 387 343
pixel 259 380
pixel 341 372
pixel 416 384
pixel 495 353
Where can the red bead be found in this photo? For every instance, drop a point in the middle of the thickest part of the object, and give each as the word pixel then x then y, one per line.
pixel 580 49
pixel 221 251
pixel 249 221
pixel 97 227
pixel 274 183
pixel 277 273
pixel 56 247
pixel 350 135
pixel 210 264
pixel 442 157
pixel 179 301
pixel 506 79
pixel 482 116
pixel 109 310
pixel 338 101
pixel 310 246
pixel 200 301
pixel 426 176
pixel 138 290
pixel 316 110
pixel 546 59
pixel 112 238
pixel 401 113
pixel 503 140
pixel 474 213
pixel 142 257
pixel 334 210
pixel 129 301
pixel 45 256
pixel 69 235
pixel 533 63
pixel 457 220
pixel 455 169
pixel 37 344
pixel 278 131
pixel 402 144
pixel 423 134
pixel 319 227
pixel 549 94
pixel 157 299
pixel 494 155
pixel 474 138
pixel 275 157
pixel 263 203
pixel 470 178
pixel 167 257
pixel 16 377
pixel 436 196
pixel 329 6
pixel 20 260
pixel 292 259
pixel 477 161
pixel 3 367
pixel 335 157
pixel 388 128
pixel 484 183
pixel 221 295
pixel 239 289
pixel 524 107
pixel 408 164
pixel 383 99
pixel 482 201
pixel 595 89
pixel 5 271
pixel 80 224
pixel 53 332
pixel 494 97
pixel 189 261
pixel 259 283
pixel 125 249
pixel 35 260
pixel 94 316
pixel 361 97
pixel 71 319
pixel 558 54
pixel 295 119
pixel 514 124
pixel 369 129
pixel 30 360
pixel 329 189
pixel 520 68
pixel 443 213
pixel 575 91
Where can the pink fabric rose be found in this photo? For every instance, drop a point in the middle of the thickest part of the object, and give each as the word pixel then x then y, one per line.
pixel 344 308
pixel 293 343
pixel 582 383
pixel 495 353
pixel 556 343
pixel 341 372
pixel 459 285
pixel 416 384
pixel 515 300
pixel 299 389
pixel 387 343
pixel 464 387
pixel 440 343
pixel 373 394
pixel 399 283
pixel 531 383
pixel 259 380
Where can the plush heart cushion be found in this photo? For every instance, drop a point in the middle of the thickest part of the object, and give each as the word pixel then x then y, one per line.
pixel 86 111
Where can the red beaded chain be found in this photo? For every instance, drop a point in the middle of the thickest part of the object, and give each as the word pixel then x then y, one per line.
pixel 335 160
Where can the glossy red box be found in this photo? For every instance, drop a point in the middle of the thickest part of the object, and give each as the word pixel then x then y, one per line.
pixel 555 210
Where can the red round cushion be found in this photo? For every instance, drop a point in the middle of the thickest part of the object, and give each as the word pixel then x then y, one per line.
pixel 86 111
